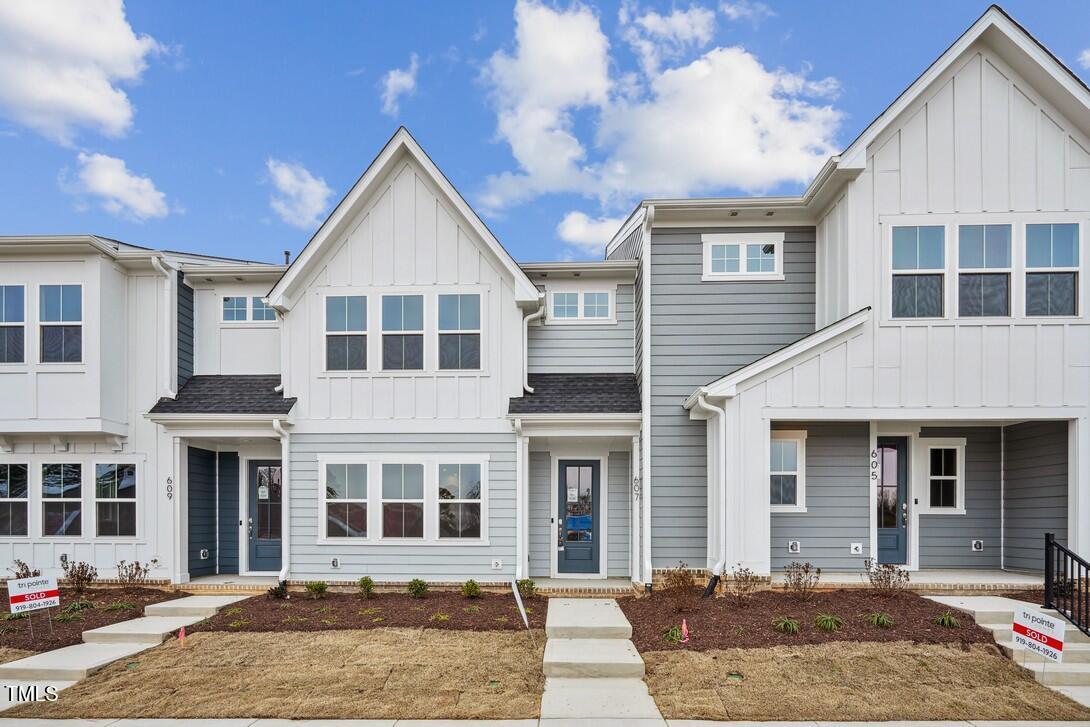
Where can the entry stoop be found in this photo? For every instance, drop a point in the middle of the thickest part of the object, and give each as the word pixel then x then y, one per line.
pixel 586 618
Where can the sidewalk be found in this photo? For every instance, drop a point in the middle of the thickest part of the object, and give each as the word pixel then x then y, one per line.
pixel 485 723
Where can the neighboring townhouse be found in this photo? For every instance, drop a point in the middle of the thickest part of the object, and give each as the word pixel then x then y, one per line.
pixel 894 365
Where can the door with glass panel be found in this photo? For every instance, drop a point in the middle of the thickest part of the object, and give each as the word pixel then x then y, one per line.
pixel 578 533
pixel 264 519
pixel 892 500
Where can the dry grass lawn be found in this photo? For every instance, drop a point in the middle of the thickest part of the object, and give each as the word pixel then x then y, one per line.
pixel 379 673
pixel 7 654
pixel 851 681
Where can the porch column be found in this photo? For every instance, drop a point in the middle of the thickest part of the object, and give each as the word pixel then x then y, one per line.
pixel 634 493
pixel 173 479
pixel 1078 487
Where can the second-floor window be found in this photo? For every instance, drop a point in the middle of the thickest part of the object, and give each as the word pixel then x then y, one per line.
pixel 403 332
pixel 919 265
pixel 346 333
pixel 61 317
pixel 460 331
pixel 62 504
pixel 590 305
pixel 1052 269
pixel 234 308
pixel 984 276
pixel 12 324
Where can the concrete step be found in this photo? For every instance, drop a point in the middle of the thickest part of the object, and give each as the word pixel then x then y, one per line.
pixel 592 658
pixel 985 609
pixel 70 663
pixel 1074 653
pixel 150 630
pixel 606 698
pixel 586 618
pixel 203 606
pixel 1059 675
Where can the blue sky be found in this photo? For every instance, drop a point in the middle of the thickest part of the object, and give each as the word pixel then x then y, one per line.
pixel 232 128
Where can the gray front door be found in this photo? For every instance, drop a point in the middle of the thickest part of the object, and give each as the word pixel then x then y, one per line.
pixel 579 508
pixel 892 500
pixel 264 519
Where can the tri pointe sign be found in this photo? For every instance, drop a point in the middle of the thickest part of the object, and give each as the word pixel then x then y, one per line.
pixel 1040 633
pixel 31 594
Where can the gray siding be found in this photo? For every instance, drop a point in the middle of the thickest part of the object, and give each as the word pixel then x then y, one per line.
pixel 540 511
pixel 572 349
pixel 201 496
pixel 637 327
pixel 837 500
pixel 945 539
pixel 185 332
pixel 1035 490
pixel 628 249
pixel 619 515
pixel 445 562
pixel 701 331
pixel 228 508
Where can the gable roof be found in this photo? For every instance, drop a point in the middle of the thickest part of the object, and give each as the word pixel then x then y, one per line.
pixel 401 144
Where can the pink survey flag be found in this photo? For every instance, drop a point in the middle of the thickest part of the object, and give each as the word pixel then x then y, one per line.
pixel 684 631
pixel 181 636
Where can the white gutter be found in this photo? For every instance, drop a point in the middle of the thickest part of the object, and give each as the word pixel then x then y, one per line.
pixel 526 342
pixel 285 500
pixel 167 272
pixel 718 472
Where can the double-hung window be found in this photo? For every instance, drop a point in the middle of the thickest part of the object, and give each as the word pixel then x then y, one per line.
pixel 984 276
pixel 115 499
pixel 460 331
pixel 945 478
pixel 403 332
pixel 346 333
pixel 234 308
pixel 346 500
pixel 459 500
pixel 403 501
pixel 787 471
pixel 13 500
pixel 62 501
pixel 261 312
pixel 1052 269
pixel 61 317
pixel 12 324
pixel 919 266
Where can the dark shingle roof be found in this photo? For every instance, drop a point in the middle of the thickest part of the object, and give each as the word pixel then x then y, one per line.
pixel 241 394
pixel 579 394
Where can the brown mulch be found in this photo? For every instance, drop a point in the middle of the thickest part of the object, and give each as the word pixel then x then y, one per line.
pixel 438 610
pixel 16 633
pixel 717 623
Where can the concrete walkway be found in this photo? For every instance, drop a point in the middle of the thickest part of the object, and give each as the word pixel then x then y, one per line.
pixel 484 723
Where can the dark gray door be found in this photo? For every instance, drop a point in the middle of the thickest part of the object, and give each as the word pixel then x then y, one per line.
pixel 264 520
pixel 892 499
pixel 578 533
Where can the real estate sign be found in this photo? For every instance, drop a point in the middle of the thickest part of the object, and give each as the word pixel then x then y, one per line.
pixel 1040 633
pixel 31 594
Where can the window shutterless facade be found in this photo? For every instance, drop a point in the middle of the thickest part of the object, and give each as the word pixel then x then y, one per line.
pixel 14 500
pixel 346 333
pixel 787 471
pixel 460 331
pixel 261 312
pixel 743 256
pixel 60 318
pixel 12 324
pixel 115 500
pixel 234 308
pixel 1052 269
pixel 459 500
pixel 581 306
pixel 402 500
pixel 984 271
pixel 919 269
pixel 403 332
pixel 345 500
pixel 62 503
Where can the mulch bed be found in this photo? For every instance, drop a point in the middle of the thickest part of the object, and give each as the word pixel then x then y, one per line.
pixel 437 610
pixel 718 623
pixel 111 605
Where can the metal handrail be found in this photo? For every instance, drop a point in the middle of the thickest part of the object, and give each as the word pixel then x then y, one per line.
pixel 1067 584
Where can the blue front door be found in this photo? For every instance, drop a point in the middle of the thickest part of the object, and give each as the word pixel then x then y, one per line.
pixel 892 500
pixel 264 519
pixel 578 539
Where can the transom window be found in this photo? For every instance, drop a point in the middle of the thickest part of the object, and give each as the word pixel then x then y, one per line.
pixel 944 477
pixel 403 332
pixel 62 504
pixel 986 251
pixel 1052 269
pixel 402 500
pixel 115 499
pixel 459 501
pixel 743 256
pixel 234 308
pixel 580 306
pixel 346 500
pixel 60 314
pixel 13 500
pixel 12 324
pixel 787 471
pixel 346 333
pixel 460 331
pixel 919 266
pixel 261 312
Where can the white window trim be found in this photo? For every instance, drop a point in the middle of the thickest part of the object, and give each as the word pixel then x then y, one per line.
pixel 24 325
pixel 478 331
pixel 776 239
pixel 24 500
pixel 324 368
pixel 44 324
pixel 922 480
pixel 431 501
pixel 92 475
pixel 799 437
pixel 958 270
pixel 581 289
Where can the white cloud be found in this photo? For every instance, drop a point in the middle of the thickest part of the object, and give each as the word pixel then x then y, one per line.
pixel 61 62
pixel 300 198
pixel 655 37
pixel 397 83
pixel 751 10
pixel 589 235
pixel 120 191
pixel 1084 59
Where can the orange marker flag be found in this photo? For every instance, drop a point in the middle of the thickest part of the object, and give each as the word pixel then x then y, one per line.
pixel 181 636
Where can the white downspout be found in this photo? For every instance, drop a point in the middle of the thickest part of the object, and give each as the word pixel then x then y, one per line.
pixel 168 274
pixel 720 470
pixel 285 500
pixel 526 342
pixel 520 501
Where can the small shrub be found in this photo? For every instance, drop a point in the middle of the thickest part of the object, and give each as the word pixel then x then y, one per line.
pixel 119 606
pixel 743 582
pixel 14 616
pixel 329 621
pixel 673 635
pixel 501 619
pixel 367 586
pixel 233 611
pixel 785 625
pixel 526 587
pixel 887 579
pixel 316 589
pixel 323 609
pixel 132 574
pixel 67 617
pixel 378 619
pixel 828 622
pixel 947 620
pixel 472 609
pixel 680 587
pixel 440 617
pixel 22 570
pixel 238 623
pixel 470 589
pixel 800 580
pixel 280 591
pixel 78 574
pixel 368 611
pixel 880 620
pixel 418 588
pixel 77 606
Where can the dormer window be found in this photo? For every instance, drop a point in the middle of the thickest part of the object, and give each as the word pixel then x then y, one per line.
pixel 740 256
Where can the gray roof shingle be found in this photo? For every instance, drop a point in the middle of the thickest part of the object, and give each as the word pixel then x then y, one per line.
pixel 579 394
pixel 228 394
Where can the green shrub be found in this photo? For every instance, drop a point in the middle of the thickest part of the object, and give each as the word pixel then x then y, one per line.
pixel 785 625
pixel 280 590
pixel 947 620
pixel 233 611
pixel 418 588
pixel 527 588
pixel 66 617
pixel 239 623
pixel 14 616
pixel 472 609
pixel 881 620
pixel 440 617
pixel 470 589
pixel 673 635
pixel 828 622
pixel 368 611
pixel 367 586
pixel 316 589
pixel 77 606
pixel 119 606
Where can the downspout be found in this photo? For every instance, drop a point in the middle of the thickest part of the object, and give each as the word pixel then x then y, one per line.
pixel 281 313
pixel 285 501
pixel 167 274
pixel 720 472
pixel 520 500
pixel 526 342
